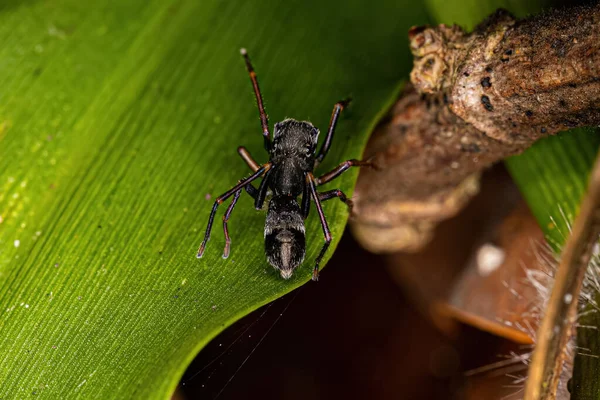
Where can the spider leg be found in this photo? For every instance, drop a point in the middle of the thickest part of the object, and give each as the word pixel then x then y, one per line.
pixel 337 171
pixel 310 180
pixel 305 200
pixel 245 154
pixel 336 193
pixel 261 193
pixel 224 197
pixel 264 119
pixel 335 114
pixel 252 192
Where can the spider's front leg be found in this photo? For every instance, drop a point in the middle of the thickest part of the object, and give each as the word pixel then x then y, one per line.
pixel 335 114
pixel 264 119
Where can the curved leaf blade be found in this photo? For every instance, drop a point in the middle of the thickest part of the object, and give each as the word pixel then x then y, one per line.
pixel 117 121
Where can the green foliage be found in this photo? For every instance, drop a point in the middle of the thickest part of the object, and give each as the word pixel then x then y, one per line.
pixel 469 13
pixel 118 121
pixel 552 176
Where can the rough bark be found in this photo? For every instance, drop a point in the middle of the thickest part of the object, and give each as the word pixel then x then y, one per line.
pixel 476 99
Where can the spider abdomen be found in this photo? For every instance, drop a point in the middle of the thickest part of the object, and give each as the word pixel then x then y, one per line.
pixel 285 243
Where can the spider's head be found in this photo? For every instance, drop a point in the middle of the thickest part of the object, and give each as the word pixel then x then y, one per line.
pixel 294 138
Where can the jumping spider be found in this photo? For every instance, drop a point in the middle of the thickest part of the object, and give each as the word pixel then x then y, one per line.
pixel 288 174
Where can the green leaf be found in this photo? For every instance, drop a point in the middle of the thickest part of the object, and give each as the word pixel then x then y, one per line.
pixel 552 176
pixel 469 13
pixel 118 120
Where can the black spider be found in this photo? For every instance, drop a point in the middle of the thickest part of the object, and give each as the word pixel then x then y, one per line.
pixel 288 174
